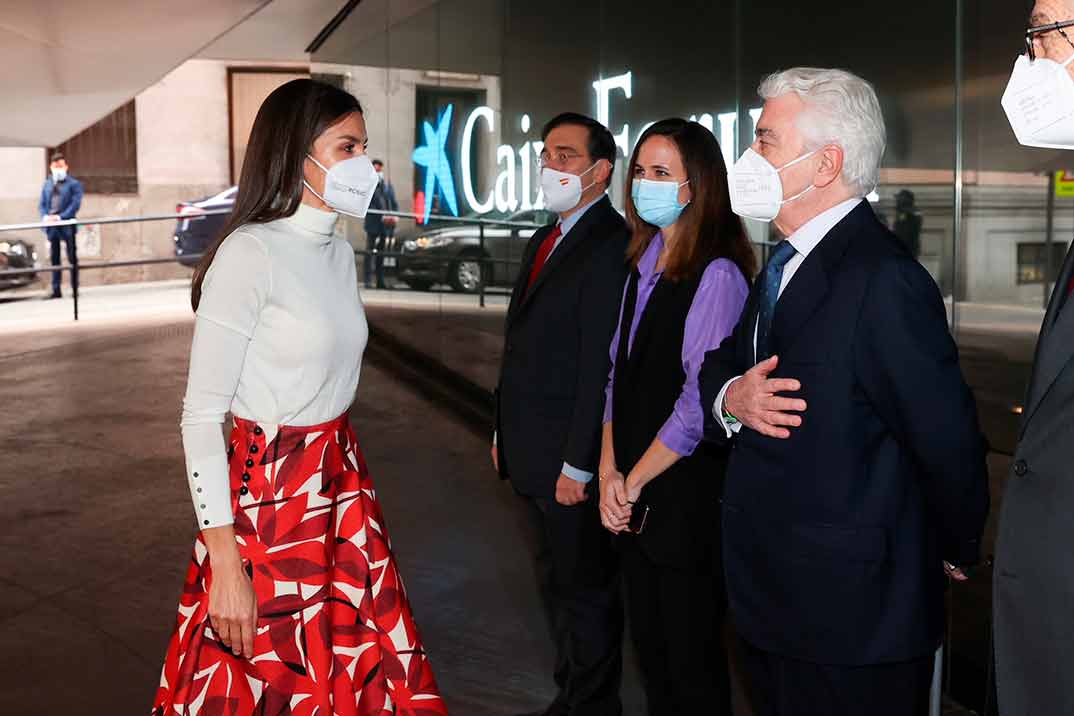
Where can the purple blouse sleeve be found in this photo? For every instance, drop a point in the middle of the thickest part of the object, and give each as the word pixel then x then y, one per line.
pixel 713 314
pixel 613 351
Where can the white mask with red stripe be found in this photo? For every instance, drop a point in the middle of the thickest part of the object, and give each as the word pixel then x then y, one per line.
pixel 562 191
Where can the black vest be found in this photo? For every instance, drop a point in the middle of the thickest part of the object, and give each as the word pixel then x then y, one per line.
pixel 683 525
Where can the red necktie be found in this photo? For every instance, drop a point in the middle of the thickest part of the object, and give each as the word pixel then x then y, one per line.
pixel 542 255
pixel 1070 287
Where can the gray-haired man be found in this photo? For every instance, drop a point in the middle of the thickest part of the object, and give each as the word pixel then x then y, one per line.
pixel 859 466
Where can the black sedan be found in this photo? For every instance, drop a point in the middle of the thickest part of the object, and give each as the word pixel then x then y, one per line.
pixel 16 253
pixel 195 229
pixel 455 254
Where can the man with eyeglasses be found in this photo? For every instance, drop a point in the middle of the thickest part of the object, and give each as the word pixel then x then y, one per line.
pixel 550 403
pixel 1033 578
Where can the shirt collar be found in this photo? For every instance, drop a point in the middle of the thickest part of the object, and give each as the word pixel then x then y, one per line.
pixel 651 257
pixel 565 225
pixel 314 221
pixel 810 234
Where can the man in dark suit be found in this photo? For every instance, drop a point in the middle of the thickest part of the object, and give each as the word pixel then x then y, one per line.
pixel 549 406
pixel 61 198
pixel 858 466
pixel 1033 579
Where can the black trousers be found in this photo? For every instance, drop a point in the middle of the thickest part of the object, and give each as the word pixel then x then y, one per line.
pixel 781 686
pixel 379 244
pixel 578 574
pixel 676 622
pixel 66 236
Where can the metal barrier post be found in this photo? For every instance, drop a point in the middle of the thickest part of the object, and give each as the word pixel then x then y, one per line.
pixel 75 282
pixel 483 265
pixel 935 700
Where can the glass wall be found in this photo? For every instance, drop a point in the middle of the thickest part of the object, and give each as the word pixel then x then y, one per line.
pixel 456 92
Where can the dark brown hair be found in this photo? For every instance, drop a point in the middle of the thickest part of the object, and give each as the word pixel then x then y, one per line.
pixel 707 228
pixel 270 187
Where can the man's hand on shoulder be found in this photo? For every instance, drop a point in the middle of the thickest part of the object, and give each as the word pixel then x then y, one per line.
pixel 755 402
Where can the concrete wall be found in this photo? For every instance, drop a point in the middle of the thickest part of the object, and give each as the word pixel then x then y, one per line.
pixel 182 131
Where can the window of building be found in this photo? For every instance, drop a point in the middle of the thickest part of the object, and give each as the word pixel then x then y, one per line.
pixel 104 157
pixel 1033 261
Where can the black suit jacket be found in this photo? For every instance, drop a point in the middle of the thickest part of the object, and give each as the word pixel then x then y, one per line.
pixel 550 397
pixel 834 538
pixel 1033 579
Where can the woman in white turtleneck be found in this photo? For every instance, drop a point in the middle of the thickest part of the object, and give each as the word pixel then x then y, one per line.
pixel 292 595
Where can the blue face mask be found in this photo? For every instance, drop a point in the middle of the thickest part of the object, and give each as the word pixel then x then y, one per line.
pixel 657 202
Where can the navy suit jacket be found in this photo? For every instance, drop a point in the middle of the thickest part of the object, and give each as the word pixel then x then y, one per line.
pixel 70 203
pixel 550 394
pixel 834 538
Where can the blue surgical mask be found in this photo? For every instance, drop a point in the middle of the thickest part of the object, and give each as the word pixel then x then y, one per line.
pixel 657 202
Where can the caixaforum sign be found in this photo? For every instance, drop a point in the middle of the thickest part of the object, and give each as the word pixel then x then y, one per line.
pixel 516 187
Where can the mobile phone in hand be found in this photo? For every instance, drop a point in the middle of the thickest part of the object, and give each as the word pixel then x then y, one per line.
pixel 639 515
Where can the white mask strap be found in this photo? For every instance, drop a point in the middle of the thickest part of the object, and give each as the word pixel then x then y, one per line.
pixel 799 159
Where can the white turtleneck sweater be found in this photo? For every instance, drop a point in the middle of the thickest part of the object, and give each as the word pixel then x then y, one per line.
pixel 278 340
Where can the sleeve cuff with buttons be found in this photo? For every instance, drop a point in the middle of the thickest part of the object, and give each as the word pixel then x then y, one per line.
pixel 210 488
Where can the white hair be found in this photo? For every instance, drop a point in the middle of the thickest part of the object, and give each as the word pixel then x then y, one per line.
pixel 840 108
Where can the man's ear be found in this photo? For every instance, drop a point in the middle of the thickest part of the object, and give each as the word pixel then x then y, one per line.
pixel 602 172
pixel 831 165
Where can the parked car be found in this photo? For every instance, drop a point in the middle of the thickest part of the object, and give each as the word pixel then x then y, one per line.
pixel 17 253
pixel 196 230
pixel 454 254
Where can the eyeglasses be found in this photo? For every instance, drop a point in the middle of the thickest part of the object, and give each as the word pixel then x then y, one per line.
pixel 559 159
pixel 1036 32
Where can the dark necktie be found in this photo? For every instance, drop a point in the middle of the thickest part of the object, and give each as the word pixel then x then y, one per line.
pixel 543 253
pixel 773 276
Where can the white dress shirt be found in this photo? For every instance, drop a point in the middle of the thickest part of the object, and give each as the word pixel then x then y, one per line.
pixel 807 238
pixel 278 340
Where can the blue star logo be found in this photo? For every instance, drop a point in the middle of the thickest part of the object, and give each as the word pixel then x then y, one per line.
pixel 433 156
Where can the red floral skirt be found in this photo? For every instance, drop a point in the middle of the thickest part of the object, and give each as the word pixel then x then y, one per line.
pixel 335 634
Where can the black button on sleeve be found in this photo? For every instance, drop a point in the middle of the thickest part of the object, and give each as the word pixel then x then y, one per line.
pixel 1021 468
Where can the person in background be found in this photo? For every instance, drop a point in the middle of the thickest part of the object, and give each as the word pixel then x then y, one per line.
pixel 549 402
pixel 858 467
pixel 692 261
pixel 61 198
pixel 1033 578
pixel 378 228
pixel 908 222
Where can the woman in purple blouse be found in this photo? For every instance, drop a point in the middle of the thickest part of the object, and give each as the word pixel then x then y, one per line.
pixel 659 483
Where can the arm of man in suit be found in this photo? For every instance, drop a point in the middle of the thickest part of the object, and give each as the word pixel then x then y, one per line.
pixel 74 203
pixel 907 363
pixel 43 203
pixel 751 396
pixel 598 314
pixel 516 296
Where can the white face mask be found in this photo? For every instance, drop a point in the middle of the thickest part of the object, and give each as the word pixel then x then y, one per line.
pixel 59 174
pixel 348 185
pixel 755 187
pixel 1039 102
pixel 562 191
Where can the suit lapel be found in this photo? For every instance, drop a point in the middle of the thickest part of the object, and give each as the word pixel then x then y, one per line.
pixel 574 238
pixel 809 286
pixel 526 266
pixel 1055 347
